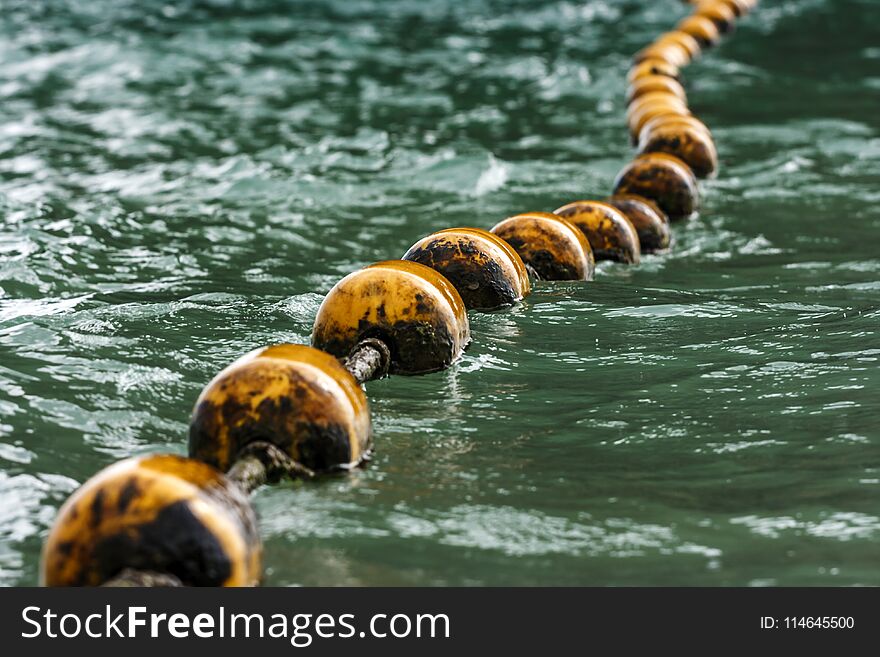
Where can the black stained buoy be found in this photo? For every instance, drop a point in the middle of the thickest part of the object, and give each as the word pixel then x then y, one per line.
pixel 553 247
pixel 652 66
pixel 664 179
pixel 651 83
pixel 717 12
pixel 650 222
pixel 299 399
pixel 609 232
pixel 176 518
pixel 689 144
pixel 411 308
pixel 485 269
pixel 702 29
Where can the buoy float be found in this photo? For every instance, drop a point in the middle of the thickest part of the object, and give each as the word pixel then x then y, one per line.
pixel 717 12
pixel 702 29
pixel 642 113
pixel 299 399
pixel 652 66
pixel 487 272
pixel 682 39
pixel 650 222
pixel 652 83
pixel 609 232
pixel 670 52
pixel 683 120
pixel 555 248
pixel 691 145
pixel 664 179
pixel 173 520
pixel 408 306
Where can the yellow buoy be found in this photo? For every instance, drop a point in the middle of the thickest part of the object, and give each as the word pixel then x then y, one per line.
pixel 553 247
pixel 162 514
pixel 411 308
pixel 691 145
pixel 297 398
pixel 486 270
pixel 652 83
pixel 650 222
pixel 611 235
pixel 664 179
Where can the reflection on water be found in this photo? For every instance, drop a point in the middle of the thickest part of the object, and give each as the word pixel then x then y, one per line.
pixel 181 183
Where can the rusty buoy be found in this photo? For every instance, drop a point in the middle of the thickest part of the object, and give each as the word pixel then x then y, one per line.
pixel 650 106
pixel 664 179
pixel 691 145
pixel 682 39
pixel 411 308
pixel 609 232
pixel 651 83
pixel 702 29
pixel 295 397
pixel 680 120
pixel 670 52
pixel 650 222
pixel 652 66
pixel 486 270
pixel 161 514
pixel 717 12
pixel 553 247
pixel 739 7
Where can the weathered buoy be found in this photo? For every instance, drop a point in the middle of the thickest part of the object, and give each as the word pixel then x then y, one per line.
pixel 650 106
pixel 717 12
pixel 609 232
pixel 651 83
pixel 673 53
pixel 668 120
pixel 298 399
pixel 650 222
pixel 682 39
pixel 691 145
pixel 553 247
pixel 664 179
pixel 485 269
pixel 652 66
pixel 411 308
pixel 739 7
pixel 702 29
pixel 161 514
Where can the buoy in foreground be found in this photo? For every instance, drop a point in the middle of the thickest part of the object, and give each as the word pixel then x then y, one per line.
pixel 650 222
pixel 410 308
pixel 553 247
pixel 609 232
pixel 295 398
pixel 691 145
pixel 177 520
pixel 664 179
pixel 486 270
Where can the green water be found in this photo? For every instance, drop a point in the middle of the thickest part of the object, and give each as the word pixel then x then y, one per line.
pixel 182 182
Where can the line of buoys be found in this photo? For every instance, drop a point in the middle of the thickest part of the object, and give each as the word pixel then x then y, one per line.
pixel 301 411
